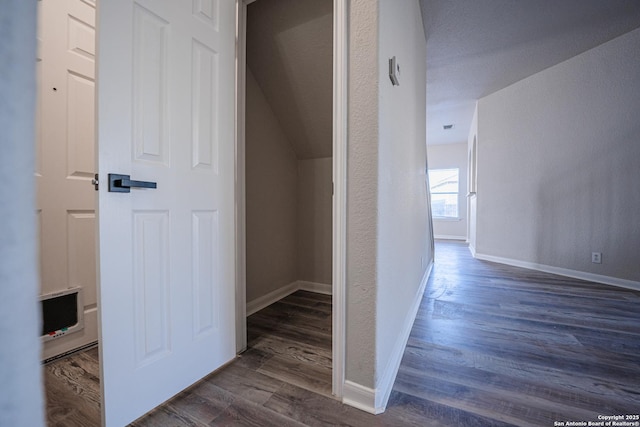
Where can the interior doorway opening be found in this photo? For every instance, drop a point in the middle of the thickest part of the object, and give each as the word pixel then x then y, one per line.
pixel 288 160
pixel 65 150
pixel 65 166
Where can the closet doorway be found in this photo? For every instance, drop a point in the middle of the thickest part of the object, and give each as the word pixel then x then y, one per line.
pixel 286 169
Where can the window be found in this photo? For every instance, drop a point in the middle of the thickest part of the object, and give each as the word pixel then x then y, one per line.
pixel 444 192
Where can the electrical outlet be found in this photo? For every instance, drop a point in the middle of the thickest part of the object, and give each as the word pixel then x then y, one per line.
pixel 596 257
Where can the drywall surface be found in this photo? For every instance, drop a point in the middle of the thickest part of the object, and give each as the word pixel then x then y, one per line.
pixel 290 42
pixel 314 220
pixel 388 237
pixel 21 397
pixel 362 200
pixel 558 167
pixel 404 241
pixel 271 202
pixel 451 156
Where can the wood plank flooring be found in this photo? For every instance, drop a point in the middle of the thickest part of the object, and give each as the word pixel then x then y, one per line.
pixel 492 345
pixel 72 390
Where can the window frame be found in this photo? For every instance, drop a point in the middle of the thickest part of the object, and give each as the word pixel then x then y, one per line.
pixel 456 193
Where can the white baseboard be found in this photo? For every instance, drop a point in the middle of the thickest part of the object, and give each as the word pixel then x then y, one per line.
pixel 472 249
pixel 318 288
pixel 388 377
pixel 449 237
pixel 590 277
pixel 258 304
pixel 375 401
pixel 361 397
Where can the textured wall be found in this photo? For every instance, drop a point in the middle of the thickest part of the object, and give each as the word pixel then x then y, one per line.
pixel 21 398
pixel 388 241
pixel 450 156
pixel 271 198
pixel 404 241
pixel 314 220
pixel 558 165
pixel 362 200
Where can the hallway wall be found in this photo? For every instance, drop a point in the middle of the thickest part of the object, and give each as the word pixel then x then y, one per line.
pixel 404 246
pixel 388 232
pixel 558 165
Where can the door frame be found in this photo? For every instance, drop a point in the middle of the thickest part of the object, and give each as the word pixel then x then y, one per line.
pixel 340 57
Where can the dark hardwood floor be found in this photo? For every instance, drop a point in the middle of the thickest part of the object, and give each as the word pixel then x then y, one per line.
pixel 492 345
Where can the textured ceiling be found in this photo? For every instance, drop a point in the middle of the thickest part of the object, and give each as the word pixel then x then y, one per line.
pixel 474 48
pixel 290 51
pixel 477 47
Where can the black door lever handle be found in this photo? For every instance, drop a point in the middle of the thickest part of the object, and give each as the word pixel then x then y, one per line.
pixel 123 183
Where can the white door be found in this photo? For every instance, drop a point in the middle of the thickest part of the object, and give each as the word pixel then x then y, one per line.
pixel 66 159
pixel 166 71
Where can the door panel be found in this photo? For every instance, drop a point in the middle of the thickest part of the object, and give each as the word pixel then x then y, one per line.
pixel 165 114
pixel 150 91
pixel 204 106
pixel 206 296
pixel 151 286
pixel 65 147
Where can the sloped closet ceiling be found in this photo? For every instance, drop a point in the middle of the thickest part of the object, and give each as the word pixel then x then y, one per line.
pixel 289 50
